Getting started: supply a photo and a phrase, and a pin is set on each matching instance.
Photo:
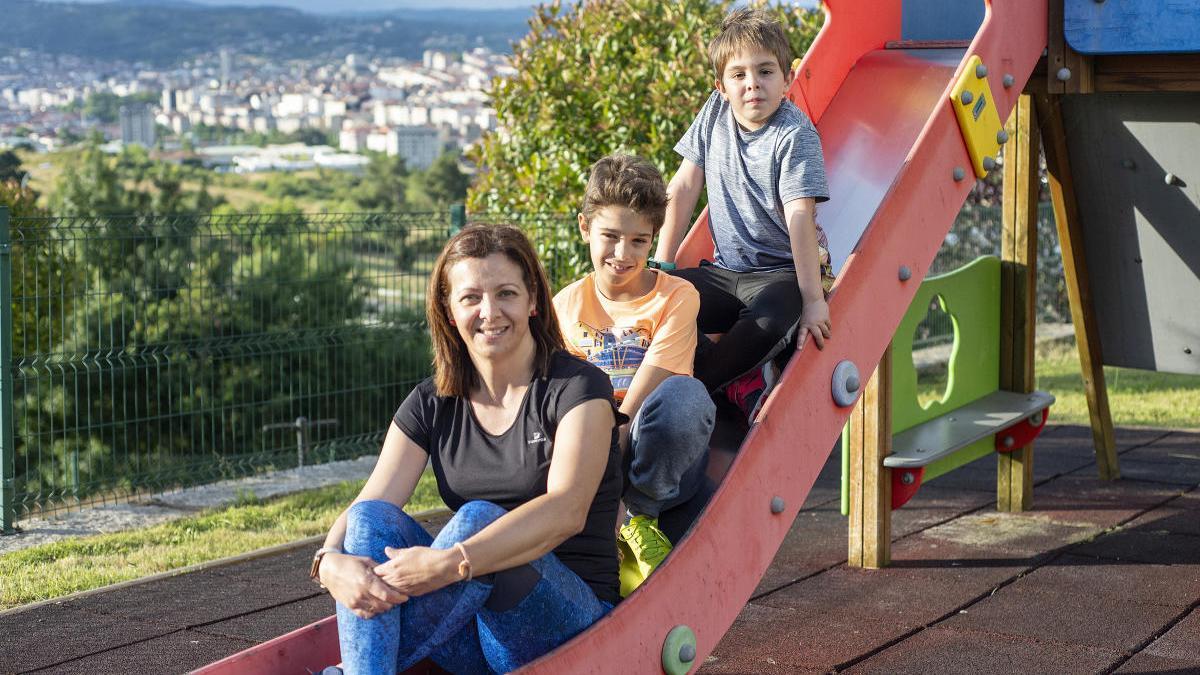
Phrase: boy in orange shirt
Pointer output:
(639, 326)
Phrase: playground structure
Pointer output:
(882, 82)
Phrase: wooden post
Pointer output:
(1018, 289)
(871, 483)
(1075, 271)
(1059, 55)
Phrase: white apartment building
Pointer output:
(419, 146)
(137, 125)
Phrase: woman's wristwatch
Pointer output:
(314, 572)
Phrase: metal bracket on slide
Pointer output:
(1022, 433)
(905, 483)
(981, 128)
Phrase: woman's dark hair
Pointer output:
(453, 372)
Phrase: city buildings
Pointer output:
(413, 109)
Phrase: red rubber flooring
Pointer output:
(1098, 577)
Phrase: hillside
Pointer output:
(167, 32)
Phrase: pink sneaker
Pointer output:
(749, 392)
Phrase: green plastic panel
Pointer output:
(971, 296)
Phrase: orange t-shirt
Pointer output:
(658, 328)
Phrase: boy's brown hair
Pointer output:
(746, 29)
(629, 181)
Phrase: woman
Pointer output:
(522, 439)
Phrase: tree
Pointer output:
(597, 78)
(592, 79)
(10, 167)
(383, 185)
(442, 184)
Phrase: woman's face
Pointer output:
(489, 305)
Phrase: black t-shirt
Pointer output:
(511, 468)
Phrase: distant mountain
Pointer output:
(166, 32)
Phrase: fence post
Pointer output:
(458, 218)
(8, 450)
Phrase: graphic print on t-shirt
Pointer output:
(617, 350)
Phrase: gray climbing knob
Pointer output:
(981, 71)
(989, 163)
(905, 273)
(966, 98)
(845, 384)
(959, 173)
(1063, 74)
(679, 651)
(1002, 137)
(1008, 81)
(687, 653)
(907, 478)
(777, 504)
(1035, 419)
(1008, 441)
(1129, 164)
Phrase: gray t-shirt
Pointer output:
(750, 176)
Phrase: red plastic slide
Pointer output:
(892, 145)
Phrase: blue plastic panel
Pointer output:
(1132, 26)
(941, 19)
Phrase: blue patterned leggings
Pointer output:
(453, 625)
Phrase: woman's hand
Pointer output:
(351, 580)
(418, 570)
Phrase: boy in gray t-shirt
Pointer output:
(760, 157)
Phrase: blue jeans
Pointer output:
(668, 446)
(452, 625)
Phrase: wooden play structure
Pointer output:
(1115, 98)
(908, 97)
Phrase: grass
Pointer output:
(69, 566)
(1136, 397)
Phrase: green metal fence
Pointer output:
(153, 352)
(144, 353)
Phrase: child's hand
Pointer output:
(815, 321)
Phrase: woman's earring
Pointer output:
(453, 322)
(534, 312)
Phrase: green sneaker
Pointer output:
(642, 547)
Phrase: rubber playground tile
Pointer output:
(816, 541)
(178, 652)
(1104, 504)
(1119, 581)
(271, 623)
(50, 634)
(1178, 516)
(1125, 437)
(783, 640)
(939, 494)
(288, 569)
(917, 596)
(940, 650)
(192, 599)
(1172, 446)
(1146, 664)
(1182, 642)
(1145, 545)
(1008, 538)
(1089, 619)
(1151, 469)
